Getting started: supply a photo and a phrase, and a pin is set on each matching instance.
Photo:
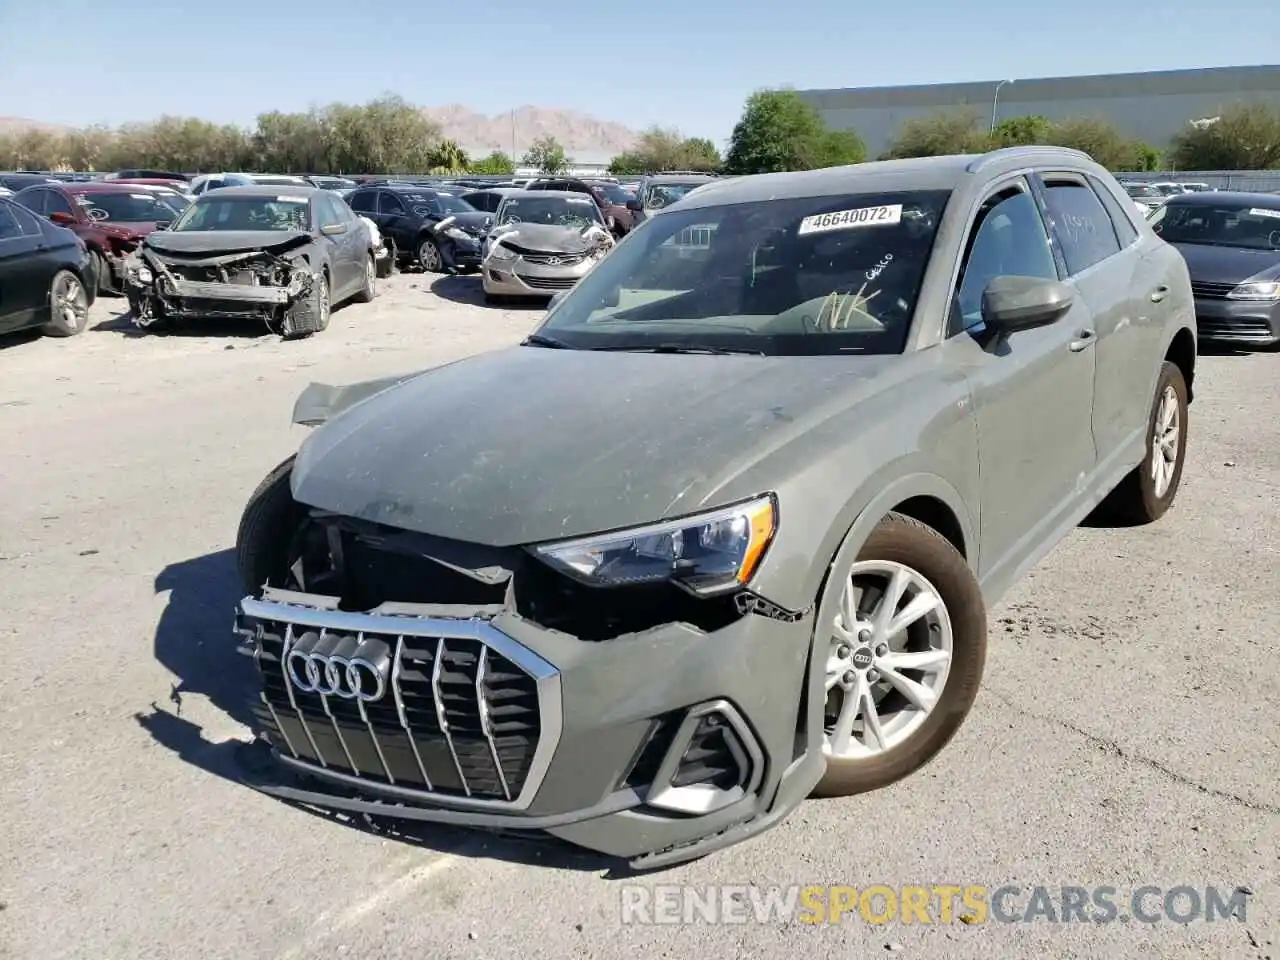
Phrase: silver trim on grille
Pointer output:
(296, 609)
(441, 717)
(293, 701)
(486, 722)
(404, 718)
(373, 734)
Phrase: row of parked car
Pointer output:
(285, 248)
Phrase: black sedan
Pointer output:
(1231, 242)
(43, 268)
(431, 227)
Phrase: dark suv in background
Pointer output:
(432, 228)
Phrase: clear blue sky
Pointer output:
(688, 64)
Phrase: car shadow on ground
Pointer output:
(1214, 348)
(122, 323)
(466, 289)
(194, 641)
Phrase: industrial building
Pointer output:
(1148, 106)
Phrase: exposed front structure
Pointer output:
(1149, 106)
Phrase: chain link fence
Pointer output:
(1255, 181)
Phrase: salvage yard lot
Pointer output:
(1127, 733)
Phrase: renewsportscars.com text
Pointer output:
(938, 903)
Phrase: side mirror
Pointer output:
(634, 205)
(163, 224)
(333, 229)
(62, 219)
(1010, 304)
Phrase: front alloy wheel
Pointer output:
(429, 256)
(890, 653)
(903, 631)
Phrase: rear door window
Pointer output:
(390, 203)
(1080, 222)
(1125, 230)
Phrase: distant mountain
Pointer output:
(578, 133)
(10, 125)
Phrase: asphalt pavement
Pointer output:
(1127, 733)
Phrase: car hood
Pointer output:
(474, 223)
(1229, 264)
(546, 238)
(531, 444)
(225, 241)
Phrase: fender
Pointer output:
(862, 512)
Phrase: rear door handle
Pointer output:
(1159, 293)
(1084, 340)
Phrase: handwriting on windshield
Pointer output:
(879, 267)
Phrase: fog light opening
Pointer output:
(714, 760)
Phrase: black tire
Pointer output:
(68, 305)
(101, 276)
(901, 539)
(387, 266)
(1135, 501)
(428, 255)
(267, 526)
(368, 289)
(310, 314)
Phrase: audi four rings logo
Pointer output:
(339, 665)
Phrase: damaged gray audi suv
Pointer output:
(724, 531)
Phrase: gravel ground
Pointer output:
(1127, 733)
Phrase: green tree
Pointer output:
(447, 157)
(780, 131)
(495, 164)
(1243, 137)
(546, 155)
(659, 149)
(1024, 131)
(941, 134)
(1100, 140)
(1147, 158)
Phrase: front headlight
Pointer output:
(499, 252)
(460, 235)
(707, 553)
(1265, 290)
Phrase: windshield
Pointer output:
(217, 211)
(436, 203)
(176, 201)
(661, 195)
(1142, 190)
(614, 193)
(1220, 225)
(140, 207)
(278, 182)
(563, 210)
(813, 275)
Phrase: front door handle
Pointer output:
(1159, 293)
(1083, 341)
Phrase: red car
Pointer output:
(180, 185)
(110, 218)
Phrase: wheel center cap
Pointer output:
(862, 658)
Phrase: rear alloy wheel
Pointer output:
(1146, 494)
(68, 306)
(905, 648)
(429, 257)
(369, 289)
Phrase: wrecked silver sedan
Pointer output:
(254, 253)
(542, 242)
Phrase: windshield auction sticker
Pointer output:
(1264, 212)
(848, 219)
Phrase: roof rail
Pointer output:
(1004, 153)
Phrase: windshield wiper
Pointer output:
(542, 340)
(681, 348)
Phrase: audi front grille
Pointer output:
(411, 705)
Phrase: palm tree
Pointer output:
(449, 156)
